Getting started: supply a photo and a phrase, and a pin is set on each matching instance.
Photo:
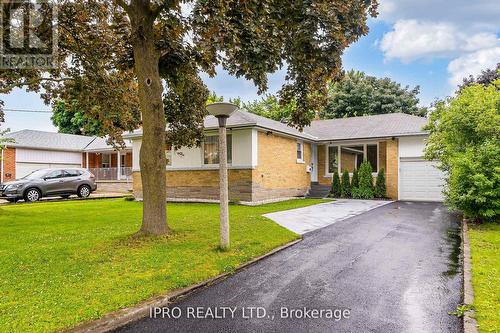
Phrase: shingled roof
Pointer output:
(48, 140)
(56, 141)
(377, 126)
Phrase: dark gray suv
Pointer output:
(49, 183)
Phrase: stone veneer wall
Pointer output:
(9, 163)
(278, 174)
(202, 184)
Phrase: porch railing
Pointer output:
(112, 173)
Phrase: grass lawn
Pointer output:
(485, 253)
(62, 263)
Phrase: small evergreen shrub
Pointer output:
(380, 188)
(365, 187)
(335, 185)
(345, 185)
(354, 180)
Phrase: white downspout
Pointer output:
(87, 160)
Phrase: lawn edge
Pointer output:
(125, 316)
(469, 322)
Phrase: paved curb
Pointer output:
(122, 317)
(470, 324)
(57, 199)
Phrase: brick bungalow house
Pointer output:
(269, 160)
(32, 150)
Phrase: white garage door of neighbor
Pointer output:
(22, 169)
(420, 180)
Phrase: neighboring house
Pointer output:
(32, 150)
(269, 160)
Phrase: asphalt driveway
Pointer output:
(394, 268)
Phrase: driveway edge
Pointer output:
(125, 316)
(470, 324)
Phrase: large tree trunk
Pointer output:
(152, 155)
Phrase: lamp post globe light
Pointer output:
(222, 111)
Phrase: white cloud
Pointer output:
(412, 39)
(472, 64)
(476, 15)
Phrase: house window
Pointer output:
(351, 157)
(211, 149)
(300, 152)
(333, 159)
(106, 161)
(168, 156)
(372, 156)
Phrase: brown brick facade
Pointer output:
(9, 164)
(95, 160)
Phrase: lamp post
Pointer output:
(222, 111)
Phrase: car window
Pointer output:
(55, 174)
(73, 173)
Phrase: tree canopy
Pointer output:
(122, 58)
(70, 119)
(358, 94)
(486, 77)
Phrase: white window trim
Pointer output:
(300, 160)
(339, 145)
(202, 150)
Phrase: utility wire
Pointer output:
(24, 110)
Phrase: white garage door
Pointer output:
(420, 180)
(22, 169)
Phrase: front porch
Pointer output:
(111, 168)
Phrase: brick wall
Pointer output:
(9, 163)
(278, 174)
(391, 172)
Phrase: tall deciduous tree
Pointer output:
(486, 77)
(119, 57)
(358, 94)
(70, 119)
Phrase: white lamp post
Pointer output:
(222, 111)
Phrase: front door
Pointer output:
(314, 163)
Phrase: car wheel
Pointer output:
(84, 191)
(32, 195)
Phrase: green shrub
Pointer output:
(474, 182)
(464, 133)
(355, 179)
(380, 188)
(335, 185)
(345, 185)
(365, 186)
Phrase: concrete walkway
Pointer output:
(303, 220)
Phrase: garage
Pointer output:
(29, 160)
(420, 180)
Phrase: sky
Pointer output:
(430, 43)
